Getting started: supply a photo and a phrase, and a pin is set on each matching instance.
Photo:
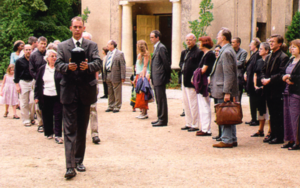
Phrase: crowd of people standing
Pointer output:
(41, 78)
(269, 77)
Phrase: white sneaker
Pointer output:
(143, 116)
(138, 116)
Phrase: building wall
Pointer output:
(99, 22)
(233, 14)
(104, 22)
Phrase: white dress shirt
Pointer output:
(75, 41)
(155, 45)
(49, 82)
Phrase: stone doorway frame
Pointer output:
(127, 29)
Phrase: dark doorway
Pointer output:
(261, 31)
(165, 27)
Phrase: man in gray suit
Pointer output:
(160, 76)
(77, 93)
(224, 84)
(114, 75)
(241, 56)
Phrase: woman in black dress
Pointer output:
(264, 50)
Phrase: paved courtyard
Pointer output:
(134, 154)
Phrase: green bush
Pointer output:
(20, 19)
(293, 31)
(174, 80)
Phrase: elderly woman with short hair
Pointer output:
(263, 115)
(46, 94)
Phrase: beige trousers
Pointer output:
(190, 103)
(26, 101)
(114, 94)
(94, 120)
(38, 111)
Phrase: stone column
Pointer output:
(176, 33)
(127, 45)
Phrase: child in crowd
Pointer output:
(133, 94)
(9, 92)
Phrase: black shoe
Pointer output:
(104, 97)
(257, 134)
(294, 147)
(192, 129)
(219, 139)
(115, 111)
(182, 114)
(267, 139)
(96, 140)
(154, 122)
(80, 167)
(185, 128)
(159, 124)
(108, 110)
(254, 123)
(289, 144)
(276, 141)
(70, 173)
(216, 137)
(248, 122)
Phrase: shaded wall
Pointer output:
(98, 23)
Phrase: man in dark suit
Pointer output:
(78, 92)
(114, 74)
(274, 87)
(160, 76)
(241, 56)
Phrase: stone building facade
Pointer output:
(132, 20)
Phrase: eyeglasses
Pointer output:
(77, 27)
(53, 56)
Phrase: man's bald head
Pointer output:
(190, 40)
(191, 35)
(27, 51)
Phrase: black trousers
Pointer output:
(105, 89)
(275, 106)
(253, 100)
(50, 107)
(240, 93)
(75, 119)
(162, 105)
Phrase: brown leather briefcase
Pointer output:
(229, 113)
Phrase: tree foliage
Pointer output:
(200, 25)
(20, 19)
(293, 31)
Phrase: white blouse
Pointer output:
(49, 82)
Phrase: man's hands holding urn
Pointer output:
(83, 65)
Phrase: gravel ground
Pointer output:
(134, 154)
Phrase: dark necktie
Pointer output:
(78, 44)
